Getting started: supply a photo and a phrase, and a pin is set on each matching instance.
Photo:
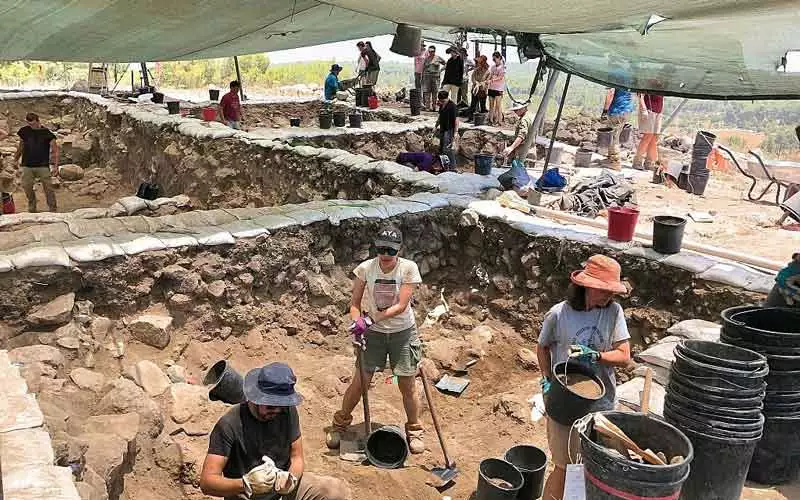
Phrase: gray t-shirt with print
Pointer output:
(599, 328)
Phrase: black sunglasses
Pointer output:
(387, 251)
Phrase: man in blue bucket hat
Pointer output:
(256, 450)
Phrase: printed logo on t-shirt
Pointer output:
(384, 293)
(590, 336)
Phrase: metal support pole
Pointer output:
(145, 79)
(555, 125)
(503, 46)
(552, 78)
(239, 77)
(477, 49)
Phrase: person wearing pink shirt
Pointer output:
(419, 66)
(497, 84)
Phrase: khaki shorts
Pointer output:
(558, 438)
(403, 348)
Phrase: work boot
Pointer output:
(339, 426)
(414, 434)
(649, 165)
(637, 163)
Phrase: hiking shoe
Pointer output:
(414, 434)
(338, 427)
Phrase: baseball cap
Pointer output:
(389, 237)
(336, 67)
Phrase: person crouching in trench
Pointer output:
(255, 450)
(385, 327)
(589, 326)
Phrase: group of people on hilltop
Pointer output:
(468, 82)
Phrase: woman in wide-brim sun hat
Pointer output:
(589, 327)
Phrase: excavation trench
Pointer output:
(138, 297)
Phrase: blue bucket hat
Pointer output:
(271, 385)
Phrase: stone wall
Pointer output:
(513, 270)
(26, 451)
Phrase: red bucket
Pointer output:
(209, 114)
(372, 102)
(622, 223)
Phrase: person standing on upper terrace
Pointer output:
(230, 108)
(40, 155)
(618, 107)
(332, 83)
(447, 127)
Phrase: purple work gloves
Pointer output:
(358, 329)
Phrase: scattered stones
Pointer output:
(44, 354)
(125, 396)
(514, 406)
(184, 281)
(180, 302)
(110, 457)
(150, 378)
(71, 329)
(55, 312)
(216, 289)
(481, 336)
(87, 379)
(176, 374)
(151, 329)
(100, 327)
(70, 346)
(527, 358)
(70, 172)
(187, 401)
(504, 284)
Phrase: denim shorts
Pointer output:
(404, 349)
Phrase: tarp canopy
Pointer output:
(719, 49)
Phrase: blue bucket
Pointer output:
(483, 164)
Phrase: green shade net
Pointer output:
(718, 49)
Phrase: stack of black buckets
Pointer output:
(774, 332)
(715, 396)
(699, 174)
(415, 99)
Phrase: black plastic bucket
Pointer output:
(726, 377)
(339, 119)
(565, 406)
(532, 463)
(783, 380)
(776, 459)
(691, 405)
(493, 470)
(715, 386)
(387, 447)
(711, 399)
(294, 122)
(325, 120)
(720, 466)
(779, 358)
(355, 120)
(158, 98)
(606, 472)
(228, 385)
(174, 107)
(718, 421)
(668, 233)
(604, 137)
(718, 354)
(483, 164)
(479, 119)
(782, 397)
(768, 326)
(698, 183)
(213, 94)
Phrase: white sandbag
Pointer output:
(305, 217)
(696, 329)
(92, 251)
(630, 394)
(212, 236)
(660, 354)
(274, 222)
(5, 264)
(244, 229)
(176, 240)
(132, 204)
(33, 256)
(660, 374)
(140, 244)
